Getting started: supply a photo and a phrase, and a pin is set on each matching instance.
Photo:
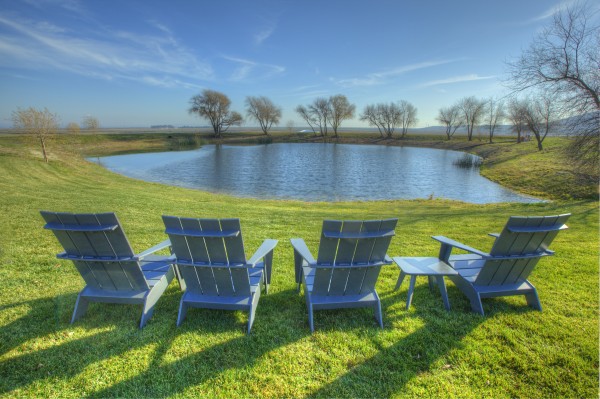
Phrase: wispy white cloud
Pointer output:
(456, 79)
(73, 6)
(263, 35)
(381, 77)
(156, 59)
(247, 69)
(551, 11)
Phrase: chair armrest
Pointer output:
(262, 251)
(165, 244)
(301, 249)
(448, 244)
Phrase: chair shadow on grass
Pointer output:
(382, 375)
(386, 373)
(48, 319)
(67, 360)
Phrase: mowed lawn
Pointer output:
(513, 351)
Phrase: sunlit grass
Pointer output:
(425, 351)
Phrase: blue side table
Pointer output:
(433, 268)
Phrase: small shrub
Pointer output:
(467, 161)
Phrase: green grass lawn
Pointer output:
(513, 351)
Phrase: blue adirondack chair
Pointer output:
(350, 257)
(113, 273)
(505, 269)
(211, 262)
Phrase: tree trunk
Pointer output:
(43, 143)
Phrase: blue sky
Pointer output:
(137, 63)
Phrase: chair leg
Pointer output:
(430, 281)
(81, 306)
(180, 280)
(147, 311)
(268, 270)
(476, 304)
(533, 300)
(310, 319)
(251, 318)
(378, 314)
(252, 310)
(183, 307)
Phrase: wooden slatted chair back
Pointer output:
(524, 238)
(210, 255)
(98, 247)
(350, 256)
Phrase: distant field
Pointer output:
(511, 352)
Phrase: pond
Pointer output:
(316, 172)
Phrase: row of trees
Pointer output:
(535, 114)
(320, 115)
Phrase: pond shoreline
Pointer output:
(317, 172)
(546, 174)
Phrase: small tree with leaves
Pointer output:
(41, 125)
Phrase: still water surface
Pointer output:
(316, 172)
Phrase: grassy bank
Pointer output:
(425, 351)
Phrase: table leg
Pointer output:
(411, 288)
(400, 280)
(430, 281)
(442, 285)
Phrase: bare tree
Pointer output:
(452, 119)
(41, 125)
(339, 109)
(408, 116)
(494, 115)
(91, 123)
(316, 114)
(290, 125)
(385, 116)
(308, 117)
(263, 111)
(472, 109)
(541, 116)
(564, 59)
(214, 106)
(321, 112)
(371, 114)
(73, 127)
(516, 115)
